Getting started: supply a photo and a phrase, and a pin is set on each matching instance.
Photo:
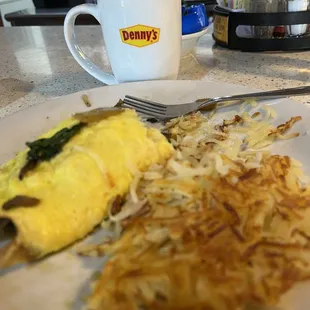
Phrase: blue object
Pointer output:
(194, 18)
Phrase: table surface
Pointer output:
(35, 65)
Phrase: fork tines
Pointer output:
(145, 106)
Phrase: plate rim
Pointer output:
(106, 87)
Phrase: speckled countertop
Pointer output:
(35, 65)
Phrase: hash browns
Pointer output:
(219, 227)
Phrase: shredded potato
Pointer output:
(220, 226)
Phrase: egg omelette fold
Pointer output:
(64, 198)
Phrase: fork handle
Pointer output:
(296, 91)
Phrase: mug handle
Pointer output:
(75, 49)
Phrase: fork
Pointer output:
(163, 111)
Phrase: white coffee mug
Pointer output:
(142, 38)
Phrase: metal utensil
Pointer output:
(162, 111)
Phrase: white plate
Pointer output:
(189, 41)
(62, 280)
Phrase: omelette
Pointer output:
(56, 194)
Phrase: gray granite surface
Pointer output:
(35, 65)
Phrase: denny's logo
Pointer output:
(140, 35)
